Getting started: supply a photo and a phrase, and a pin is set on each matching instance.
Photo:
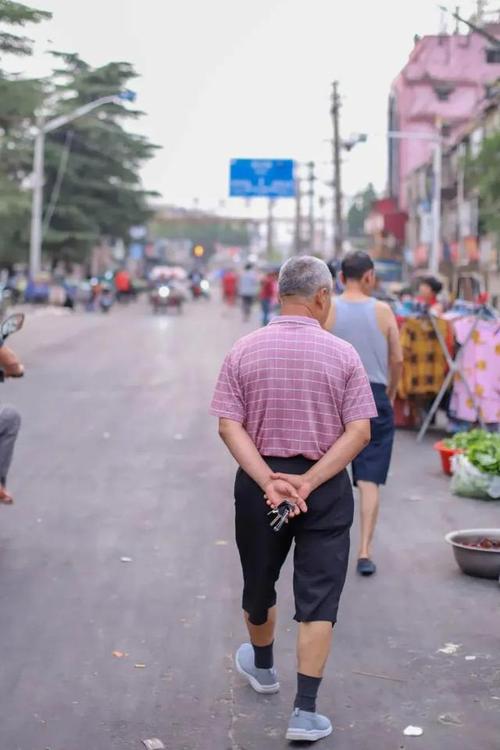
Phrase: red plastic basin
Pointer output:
(446, 454)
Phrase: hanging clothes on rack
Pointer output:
(424, 363)
(480, 368)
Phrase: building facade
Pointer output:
(465, 244)
(441, 88)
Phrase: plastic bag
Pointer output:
(468, 481)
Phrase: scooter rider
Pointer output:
(10, 420)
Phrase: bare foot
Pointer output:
(5, 498)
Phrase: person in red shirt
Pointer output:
(229, 287)
(123, 284)
(268, 295)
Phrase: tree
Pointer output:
(359, 211)
(483, 174)
(92, 186)
(100, 192)
(14, 15)
(18, 100)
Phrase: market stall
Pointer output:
(451, 361)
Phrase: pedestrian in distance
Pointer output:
(294, 406)
(248, 289)
(229, 287)
(268, 295)
(370, 326)
(429, 287)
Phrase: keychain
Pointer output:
(280, 515)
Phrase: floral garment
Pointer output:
(480, 366)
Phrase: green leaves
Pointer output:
(92, 166)
(17, 14)
(482, 448)
(484, 174)
(359, 210)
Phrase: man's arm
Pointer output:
(395, 356)
(340, 455)
(245, 453)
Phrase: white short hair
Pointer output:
(303, 276)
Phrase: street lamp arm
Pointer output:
(409, 135)
(59, 122)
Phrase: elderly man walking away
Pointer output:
(294, 405)
(370, 326)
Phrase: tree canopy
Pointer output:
(19, 98)
(484, 175)
(92, 185)
(14, 15)
(359, 211)
(93, 162)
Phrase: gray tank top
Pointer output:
(356, 322)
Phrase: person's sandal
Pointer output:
(366, 567)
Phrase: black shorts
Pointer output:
(321, 545)
(372, 464)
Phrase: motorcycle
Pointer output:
(105, 300)
(200, 289)
(166, 296)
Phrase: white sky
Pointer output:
(232, 78)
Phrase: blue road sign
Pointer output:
(257, 178)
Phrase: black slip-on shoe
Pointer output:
(366, 567)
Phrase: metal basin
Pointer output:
(483, 563)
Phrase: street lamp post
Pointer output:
(42, 128)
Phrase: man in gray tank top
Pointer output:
(370, 326)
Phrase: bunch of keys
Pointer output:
(280, 515)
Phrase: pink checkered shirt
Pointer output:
(293, 386)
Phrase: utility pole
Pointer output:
(311, 179)
(337, 181)
(297, 236)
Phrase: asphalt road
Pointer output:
(118, 458)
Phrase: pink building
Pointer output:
(444, 80)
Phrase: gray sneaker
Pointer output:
(262, 680)
(308, 727)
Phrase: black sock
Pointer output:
(307, 692)
(263, 656)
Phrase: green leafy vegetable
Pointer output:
(482, 448)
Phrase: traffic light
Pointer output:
(199, 251)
